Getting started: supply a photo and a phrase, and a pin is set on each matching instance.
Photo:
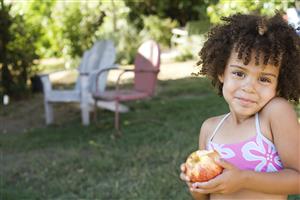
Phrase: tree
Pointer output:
(179, 10)
(78, 22)
(5, 38)
(17, 52)
(226, 8)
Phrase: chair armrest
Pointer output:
(45, 78)
(144, 70)
(102, 71)
(122, 73)
(99, 71)
(114, 66)
(155, 71)
(84, 74)
(47, 86)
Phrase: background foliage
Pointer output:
(17, 52)
(179, 10)
(36, 29)
(226, 8)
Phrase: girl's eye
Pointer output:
(265, 80)
(239, 74)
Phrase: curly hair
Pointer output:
(271, 38)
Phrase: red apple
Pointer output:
(201, 165)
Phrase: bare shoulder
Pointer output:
(207, 129)
(210, 123)
(285, 130)
(278, 107)
(281, 117)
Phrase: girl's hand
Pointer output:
(196, 195)
(230, 181)
(183, 175)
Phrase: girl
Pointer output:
(254, 62)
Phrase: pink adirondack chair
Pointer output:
(146, 69)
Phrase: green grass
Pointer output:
(69, 161)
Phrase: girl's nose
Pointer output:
(249, 86)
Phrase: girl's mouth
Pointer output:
(245, 101)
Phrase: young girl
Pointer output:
(254, 62)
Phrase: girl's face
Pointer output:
(248, 88)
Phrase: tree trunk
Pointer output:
(6, 78)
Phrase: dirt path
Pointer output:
(168, 70)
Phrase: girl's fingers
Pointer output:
(213, 183)
(182, 167)
(225, 164)
(205, 191)
(182, 174)
(202, 191)
(184, 177)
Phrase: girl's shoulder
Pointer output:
(278, 111)
(212, 121)
(277, 107)
(208, 126)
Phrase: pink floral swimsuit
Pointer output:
(257, 153)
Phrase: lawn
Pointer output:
(69, 161)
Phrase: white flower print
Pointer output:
(264, 152)
(225, 153)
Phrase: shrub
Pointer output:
(158, 29)
(17, 52)
(79, 23)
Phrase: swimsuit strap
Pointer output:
(218, 126)
(257, 125)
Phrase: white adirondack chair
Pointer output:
(100, 56)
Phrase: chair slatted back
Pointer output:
(148, 58)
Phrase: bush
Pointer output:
(158, 29)
(127, 42)
(198, 27)
(225, 8)
(77, 22)
(17, 52)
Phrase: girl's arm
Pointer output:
(286, 135)
(232, 180)
(205, 129)
(283, 182)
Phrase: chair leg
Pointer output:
(85, 114)
(48, 112)
(95, 111)
(117, 118)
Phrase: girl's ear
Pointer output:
(221, 78)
